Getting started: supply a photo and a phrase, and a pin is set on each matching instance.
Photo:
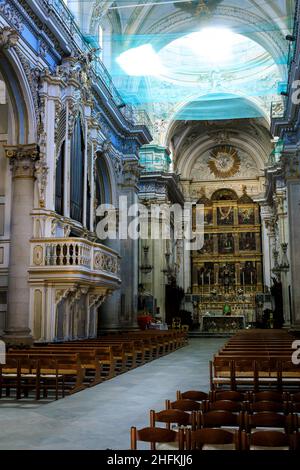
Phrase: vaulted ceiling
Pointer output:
(162, 23)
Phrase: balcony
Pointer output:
(74, 260)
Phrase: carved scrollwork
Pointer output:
(105, 262)
(41, 172)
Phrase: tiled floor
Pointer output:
(101, 417)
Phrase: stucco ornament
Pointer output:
(224, 161)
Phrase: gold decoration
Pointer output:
(224, 161)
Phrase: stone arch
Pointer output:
(107, 178)
(12, 69)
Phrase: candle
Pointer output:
(243, 279)
(251, 278)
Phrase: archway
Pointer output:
(18, 132)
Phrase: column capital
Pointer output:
(22, 159)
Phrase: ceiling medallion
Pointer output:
(224, 161)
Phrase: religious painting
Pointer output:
(249, 273)
(208, 246)
(247, 242)
(225, 216)
(226, 243)
(246, 216)
(208, 217)
(206, 275)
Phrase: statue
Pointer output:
(226, 275)
(227, 310)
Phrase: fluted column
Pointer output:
(22, 160)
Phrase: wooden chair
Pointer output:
(212, 439)
(231, 395)
(155, 436)
(220, 418)
(192, 395)
(268, 419)
(267, 440)
(183, 405)
(269, 396)
(171, 416)
(10, 377)
(265, 405)
(221, 373)
(29, 376)
(244, 373)
(289, 374)
(224, 405)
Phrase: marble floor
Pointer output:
(101, 417)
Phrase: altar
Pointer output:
(222, 324)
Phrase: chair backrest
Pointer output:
(219, 418)
(266, 419)
(266, 405)
(183, 405)
(269, 396)
(156, 436)
(194, 395)
(231, 395)
(210, 439)
(265, 440)
(224, 405)
(181, 418)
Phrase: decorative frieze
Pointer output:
(106, 262)
(11, 15)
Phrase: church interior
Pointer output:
(149, 224)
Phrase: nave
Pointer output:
(100, 417)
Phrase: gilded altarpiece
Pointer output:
(227, 271)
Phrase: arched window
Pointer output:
(102, 184)
(77, 172)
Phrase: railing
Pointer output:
(74, 252)
(68, 253)
(137, 116)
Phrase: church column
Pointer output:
(280, 200)
(267, 243)
(293, 197)
(22, 160)
(129, 248)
